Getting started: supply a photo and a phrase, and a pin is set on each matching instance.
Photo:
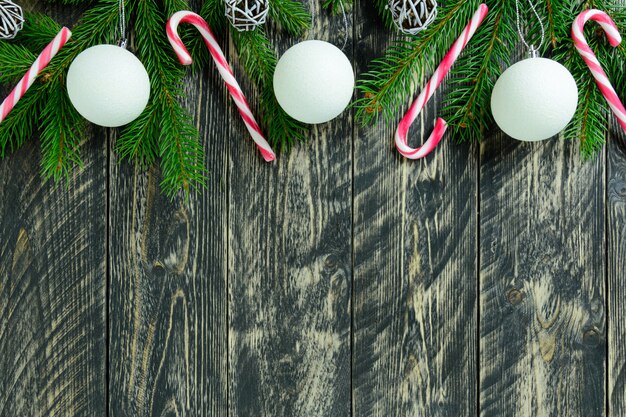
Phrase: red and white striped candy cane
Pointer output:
(29, 78)
(592, 62)
(420, 102)
(224, 69)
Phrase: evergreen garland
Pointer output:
(164, 132)
(388, 87)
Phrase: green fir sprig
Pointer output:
(165, 129)
(388, 87)
(590, 125)
(468, 109)
(381, 6)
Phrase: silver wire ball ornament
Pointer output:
(413, 16)
(246, 14)
(11, 19)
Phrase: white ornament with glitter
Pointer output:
(108, 85)
(535, 98)
(313, 81)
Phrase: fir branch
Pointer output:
(383, 11)
(473, 77)
(182, 155)
(259, 60)
(39, 29)
(214, 13)
(590, 122)
(165, 128)
(63, 130)
(256, 55)
(290, 15)
(20, 59)
(388, 84)
(18, 126)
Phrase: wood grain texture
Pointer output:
(52, 287)
(53, 281)
(290, 266)
(168, 280)
(542, 314)
(616, 257)
(415, 266)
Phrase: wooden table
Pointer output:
(342, 280)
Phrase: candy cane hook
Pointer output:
(28, 79)
(592, 62)
(434, 82)
(224, 69)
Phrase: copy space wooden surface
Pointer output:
(341, 280)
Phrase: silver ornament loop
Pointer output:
(245, 15)
(11, 19)
(413, 16)
(122, 15)
(532, 50)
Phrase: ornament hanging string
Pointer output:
(224, 69)
(420, 102)
(531, 47)
(122, 16)
(609, 27)
(346, 25)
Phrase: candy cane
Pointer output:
(29, 78)
(420, 102)
(223, 68)
(592, 62)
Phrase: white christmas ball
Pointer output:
(108, 85)
(313, 81)
(534, 99)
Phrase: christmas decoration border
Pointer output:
(387, 88)
(164, 132)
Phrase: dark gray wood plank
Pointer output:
(542, 252)
(53, 281)
(290, 266)
(616, 242)
(168, 343)
(415, 266)
(52, 287)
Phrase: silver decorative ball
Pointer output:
(246, 14)
(11, 19)
(413, 16)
